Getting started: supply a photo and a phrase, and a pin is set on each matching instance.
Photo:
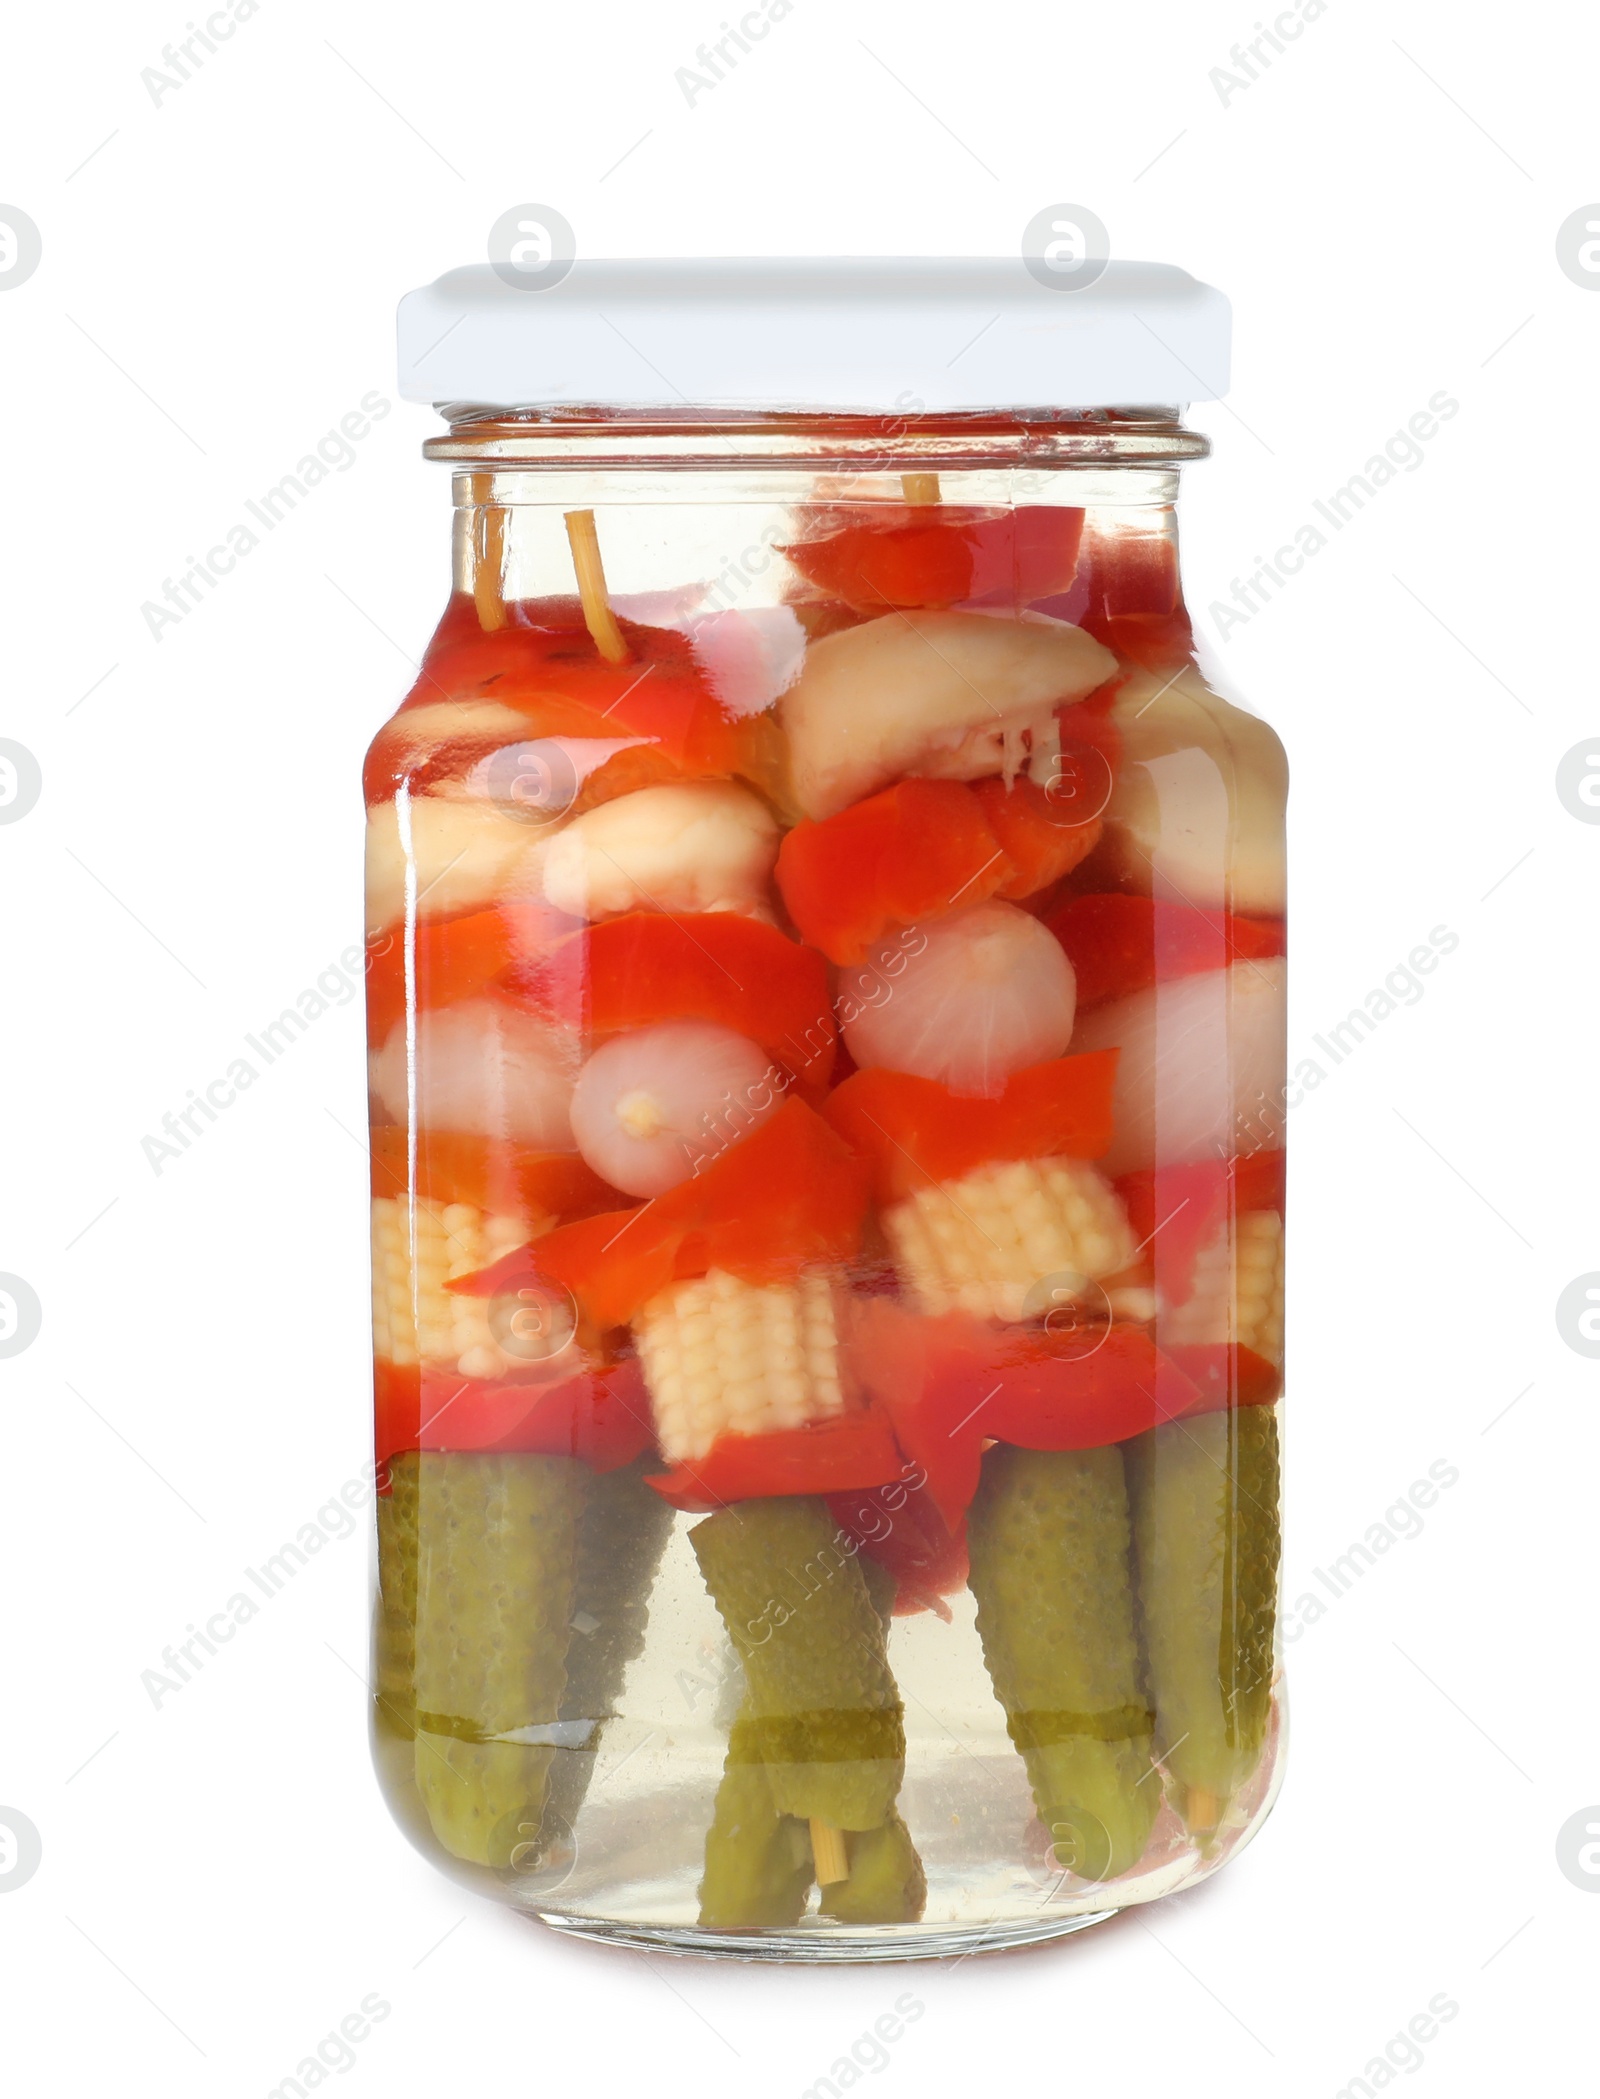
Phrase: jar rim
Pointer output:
(709, 438)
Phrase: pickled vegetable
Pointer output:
(1205, 1504)
(976, 998)
(886, 1885)
(758, 1860)
(622, 1534)
(822, 1713)
(1049, 1537)
(396, 1642)
(496, 1573)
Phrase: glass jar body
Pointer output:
(827, 1043)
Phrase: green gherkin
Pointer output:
(497, 1544)
(395, 1643)
(882, 1588)
(1049, 1538)
(886, 1885)
(622, 1534)
(1205, 1501)
(758, 1861)
(821, 1711)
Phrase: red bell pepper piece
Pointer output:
(1121, 944)
(1226, 1375)
(952, 1384)
(510, 1179)
(543, 663)
(1133, 598)
(852, 1450)
(453, 958)
(915, 1131)
(648, 966)
(791, 1195)
(941, 554)
(1174, 1210)
(899, 1526)
(600, 1416)
(1033, 828)
(914, 851)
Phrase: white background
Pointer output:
(220, 1884)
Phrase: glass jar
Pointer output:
(826, 1018)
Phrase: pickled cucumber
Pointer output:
(395, 1643)
(622, 1534)
(1049, 1537)
(886, 1885)
(758, 1861)
(882, 1587)
(821, 1710)
(1205, 1505)
(496, 1571)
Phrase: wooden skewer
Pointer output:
(828, 1854)
(1203, 1811)
(920, 488)
(598, 617)
(488, 589)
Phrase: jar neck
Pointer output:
(745, 493)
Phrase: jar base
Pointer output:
(831, 1944)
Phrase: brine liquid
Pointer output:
(826, 1000)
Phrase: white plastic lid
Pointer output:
(901, 335)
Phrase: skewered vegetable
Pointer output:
(651, 1108)
(484, 1069)
(933, 553)
(496, 1553)
(1237, 1295)
(1205, 1503)
(790, 1197)
(725, 1357)
(758, 1867)
(416, 1250)
(1200, 1066)
(1197, 812)
(1049, 1536)
(395, 1642)
(916, 1133)
(985, 1243)
(701, 846)
(622, 1534)
(971, 1000)
(822, 1712)
(445, 856)
(941, 695)
(647, 966)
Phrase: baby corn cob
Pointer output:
(726, 1357)
(981, 1244)
(1238, 1289)
(414, 1317)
